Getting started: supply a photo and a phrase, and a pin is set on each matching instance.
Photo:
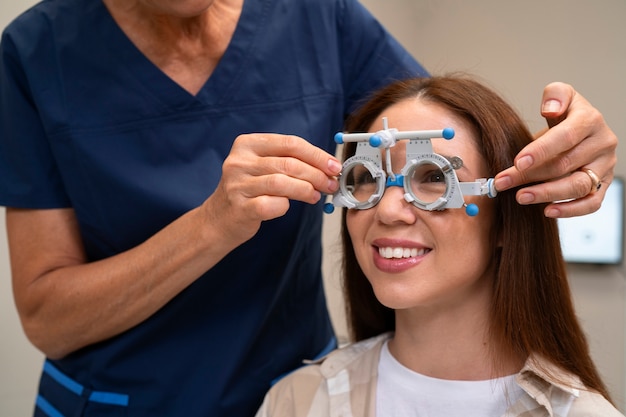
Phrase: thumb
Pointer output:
(556, 101)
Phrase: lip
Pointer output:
(396, 265)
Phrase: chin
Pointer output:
(395, 300)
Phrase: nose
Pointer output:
(393, 208)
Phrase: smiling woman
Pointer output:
(453, 315)
(442, 236)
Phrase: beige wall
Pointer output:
(20, 363)
(518, 47)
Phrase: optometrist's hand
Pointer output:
(259, 177)
(578, 138)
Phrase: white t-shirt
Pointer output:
(402, 392)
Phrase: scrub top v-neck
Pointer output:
(232, 65)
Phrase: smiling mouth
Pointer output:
(400, 253)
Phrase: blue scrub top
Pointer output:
(87, 122)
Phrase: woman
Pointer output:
(454, 315)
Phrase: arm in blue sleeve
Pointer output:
(28, 174)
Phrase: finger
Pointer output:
(240, 218)
(267, 154)
(255, 166)
(267, 207)
(562, 141)
(248, 201)
(572, 208)
(571, 118)
(560, 102)
(603, 158)
(299, 170)
(556, 99)
(579, 140)
(280, 185)
(293, 146)
(575, 186)
(240, 192)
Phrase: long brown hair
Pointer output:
(532, 309)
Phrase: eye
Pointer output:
(360, 183)
(428, 182)
(359, 175)
(433, 176)
(363, 177)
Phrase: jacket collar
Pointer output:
(352, 372)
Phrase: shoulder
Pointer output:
(589, 404)
(55, 37)
(351, 358)
(52, 18)
(307, 390)
(557, 389)
(347, 15)
(43, 11)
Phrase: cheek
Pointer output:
(351, 226)
(350, 223)
(464, 233)
(478, 237)
(357, 222)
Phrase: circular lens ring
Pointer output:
(377, 173)
(449, 176)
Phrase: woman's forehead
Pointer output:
(415, 114)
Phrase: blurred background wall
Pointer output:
(20, 362)
(517, 48)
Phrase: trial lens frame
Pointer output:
(419, 152)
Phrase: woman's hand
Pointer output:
(259, 177)
(578, 138)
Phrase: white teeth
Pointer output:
(399, 253)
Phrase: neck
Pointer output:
(453, 344)
(185, 43)
(209, 19)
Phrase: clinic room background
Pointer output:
(517, 48)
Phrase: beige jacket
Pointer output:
(344, 384)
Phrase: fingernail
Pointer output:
(524, 162)
(334, 166)
(503, 183)
(551, 106)
(553, 213)
(525, 198)
(333, 185)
